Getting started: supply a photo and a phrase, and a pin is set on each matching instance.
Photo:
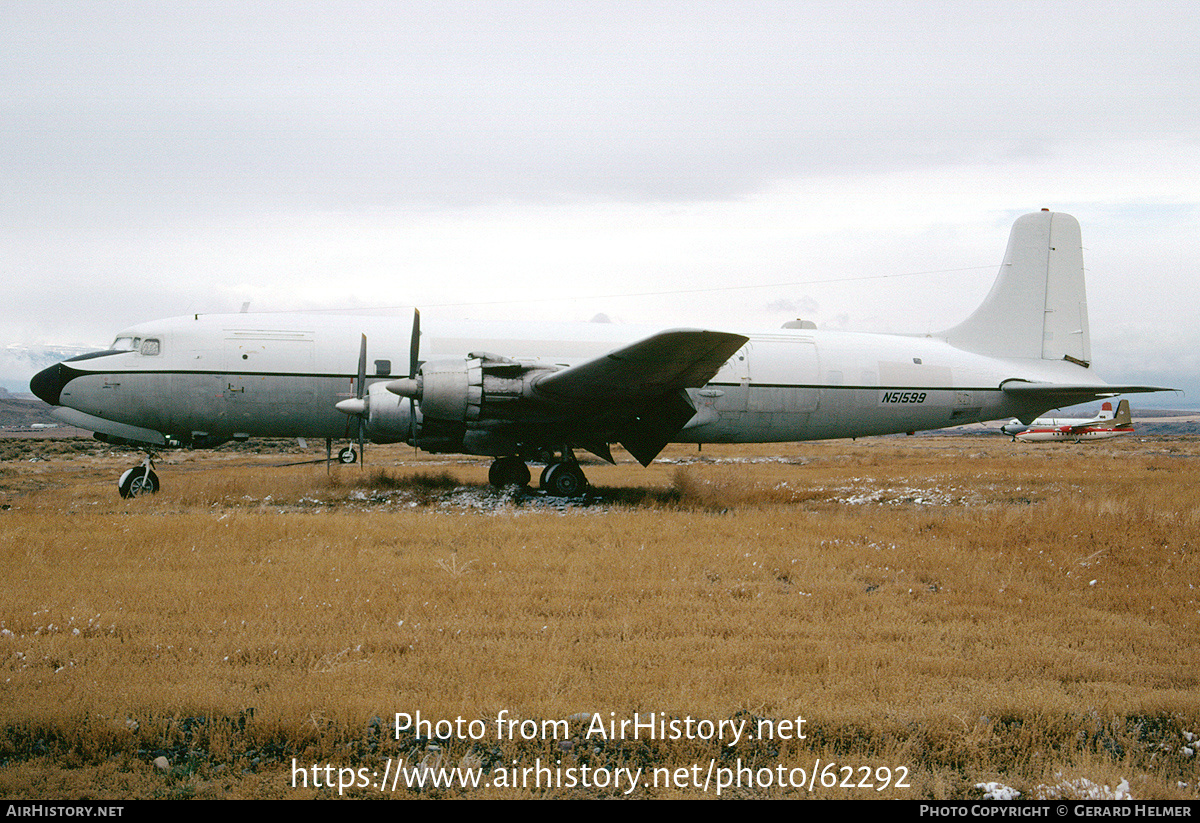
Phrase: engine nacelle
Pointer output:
(389, 417)
(468, 389)
(451, 389)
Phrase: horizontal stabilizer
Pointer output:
(1065, 394)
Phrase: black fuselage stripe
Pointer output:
(754, 385)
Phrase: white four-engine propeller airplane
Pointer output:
(1104, 425)
(536, 393)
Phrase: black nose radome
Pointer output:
(48, 383)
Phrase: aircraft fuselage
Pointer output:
(1051, 430)
(280, 375)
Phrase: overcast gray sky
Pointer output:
(858, 164)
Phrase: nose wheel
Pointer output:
(139, 480)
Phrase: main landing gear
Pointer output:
(561, 478)
(508, 471)
(139, 480)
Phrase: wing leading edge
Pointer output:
(664, 362)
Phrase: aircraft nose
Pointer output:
(48, 383)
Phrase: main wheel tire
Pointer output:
(137, 481)
(508, 471)
(564, 480)
(347, 456)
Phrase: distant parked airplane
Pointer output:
(1102, 426)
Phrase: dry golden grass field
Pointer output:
(943, 613)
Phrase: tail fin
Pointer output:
(1037, 307)
(1122, 418)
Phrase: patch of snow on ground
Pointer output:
(901, 495)
(1081, 789)
(479, 499)
(997, 791)
(719, 461)
(514, 498)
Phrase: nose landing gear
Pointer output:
(139, 480)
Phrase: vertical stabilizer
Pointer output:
(1123, 417)
(1037, 307)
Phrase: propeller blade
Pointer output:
(414, 348)
(414, 361)
(362, 368)
(359, 390)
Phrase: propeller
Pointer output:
(357, 406)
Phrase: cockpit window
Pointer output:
(150, 346)
(127, 343)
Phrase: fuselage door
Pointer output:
(268, 380)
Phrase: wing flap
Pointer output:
(639, 388)
(653, 425)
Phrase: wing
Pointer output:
(665, 362)
(642, 384)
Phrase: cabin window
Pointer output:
(383, 367)
(150, 346)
